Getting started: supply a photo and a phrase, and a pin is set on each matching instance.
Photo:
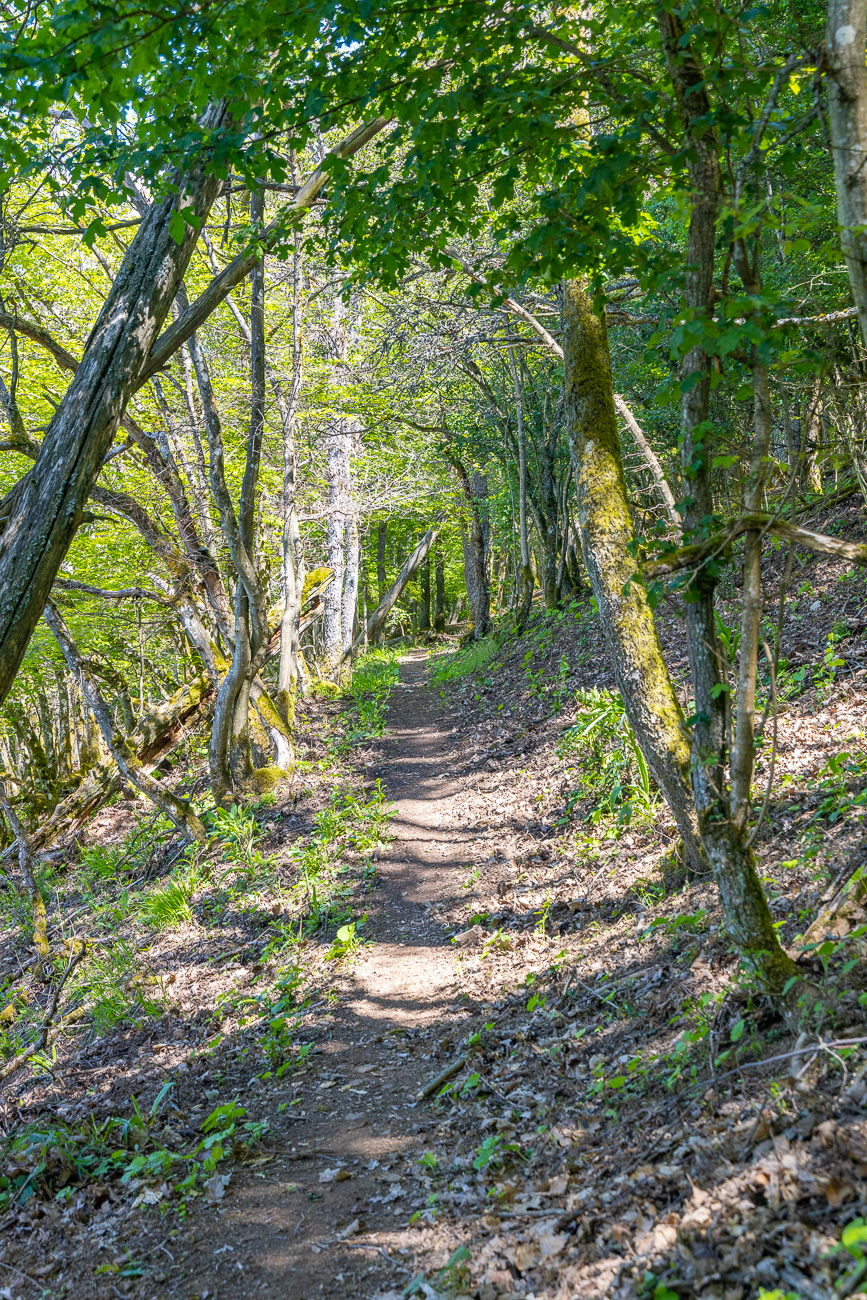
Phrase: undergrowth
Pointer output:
(374, 676)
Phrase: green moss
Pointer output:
(263, 779)
(316, 579)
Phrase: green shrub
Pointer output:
(612, 769)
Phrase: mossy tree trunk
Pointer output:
(476, 581)
(606, 527)
(424, 601)
(722, 813)
(440, 581)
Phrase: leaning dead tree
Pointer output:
(395, 591)
(41, 514)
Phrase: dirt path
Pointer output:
(279, 1230)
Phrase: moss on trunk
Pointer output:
(607, 532)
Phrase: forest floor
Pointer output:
(622, 1115)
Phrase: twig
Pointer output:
(13, 1269)
(787, 1056)
(367, 1245)
(76, 956)
(566, 987)
(443, 1077)
(593, 992)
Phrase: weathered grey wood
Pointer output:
(47, 508)
(241, 266)
(380, 614)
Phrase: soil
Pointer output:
(558, 966)
(360, 1127)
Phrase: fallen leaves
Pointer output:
(334, 1175)
(215, 1187)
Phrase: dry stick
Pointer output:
(787, 1056)
(13, 1269)
(593, 993)
(443, 1077)
(366, 1245)
(76, 956)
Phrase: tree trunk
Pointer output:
(475, 551)
(847, 112)
(349, 601)
(525, 595)
(440, 579)
(745, 910)
(381, 541)
(177, 810)
(288, 678)
(606, 528)
(424, 601)
(337, 452)
(46, 508)
(411, 565)
(229, 750)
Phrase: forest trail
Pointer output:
(284, 1230)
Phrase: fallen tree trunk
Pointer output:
(395, 591)
(179, 811)
(155, 736)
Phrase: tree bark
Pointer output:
(48, 505)
(288, 677)
(440, 579)
(605, 522)
(337, 454)
(349, 595)
(177, 810)
(229, 754)
(847, 115)
(525, 592)
(745, 910)
(424, 601)
(381, 542)
(475, 551)
(410, 566)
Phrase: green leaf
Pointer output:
(222, 1117)
(853, 1235)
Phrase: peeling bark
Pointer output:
(47, 506)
